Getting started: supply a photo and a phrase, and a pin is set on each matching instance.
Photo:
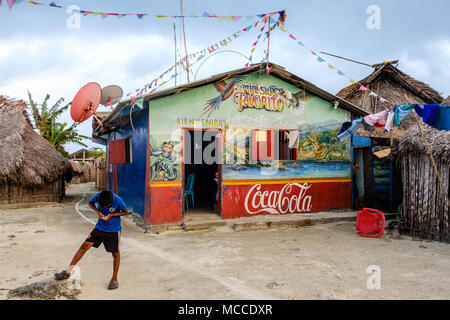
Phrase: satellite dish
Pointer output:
(86, 102)
(111, 95)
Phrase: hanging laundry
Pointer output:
(345, 126)
(443, 120)
(377, 120)
(348, 133)
(401, 112)
(294, 139)
(389, 121)
(367, 126)
(429, 113)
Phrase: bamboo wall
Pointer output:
(100, 175)
(14, 194)
(425, 210)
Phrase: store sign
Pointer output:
(259, 97)
(292, 198)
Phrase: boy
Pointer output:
(107, 231)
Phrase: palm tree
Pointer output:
(58, 134)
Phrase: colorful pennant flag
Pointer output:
(141, 15)
(362, 88)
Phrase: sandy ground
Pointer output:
(328, 261)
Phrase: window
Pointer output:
(263, 146)
(285, 153)
(271, 145)
(119, 151)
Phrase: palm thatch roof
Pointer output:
(393, 85)
(25, 157)
(411, 143)
(77, 169)
(446, 101)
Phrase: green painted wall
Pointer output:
(320, 154)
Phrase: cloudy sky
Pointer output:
(39, 53)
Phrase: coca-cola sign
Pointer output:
(292, 198)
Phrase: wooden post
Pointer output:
(175, 41)
(185, 47)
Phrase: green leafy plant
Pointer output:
(58, 134)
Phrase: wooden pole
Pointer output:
(185, 47)
(175, 41)
(268, 44)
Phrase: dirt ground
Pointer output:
(328, 261)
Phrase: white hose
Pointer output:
(84, 217)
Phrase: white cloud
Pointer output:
(430, 64)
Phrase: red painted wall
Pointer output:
(166, 203)
(247, 198)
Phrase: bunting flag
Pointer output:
(10, 3)
(250, 59)
(53, 4)
(199, 55)
(339, 72)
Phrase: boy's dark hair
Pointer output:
(105, 198)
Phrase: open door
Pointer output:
(202, 172)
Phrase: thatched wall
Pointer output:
(29, 165)
(15, 194)
(425, 209)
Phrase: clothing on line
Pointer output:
(367, 126)
(377, 119)
(389, 121)
(443, 120)
(429, 113)
(347, 134)
(401, 112)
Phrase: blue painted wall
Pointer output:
(131, 176)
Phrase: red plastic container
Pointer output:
(370, 223)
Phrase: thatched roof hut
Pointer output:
(31, 170)
(425, 208)
(393, 85)
(446, 101)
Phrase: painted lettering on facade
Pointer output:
(259, 97)
(292, 198)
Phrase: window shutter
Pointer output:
(263, 144)
(119, 151)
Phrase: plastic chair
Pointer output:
(189, 190)
(370, 223)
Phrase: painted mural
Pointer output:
(165, 160)
(236, 106)
(317, 176)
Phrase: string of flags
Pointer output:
(201, 54)
(195, 57)
(267, 21)
(320, 59)
(250, 59)
(205, 14)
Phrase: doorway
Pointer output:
(201, 159)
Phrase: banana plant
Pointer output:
(58, 134)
